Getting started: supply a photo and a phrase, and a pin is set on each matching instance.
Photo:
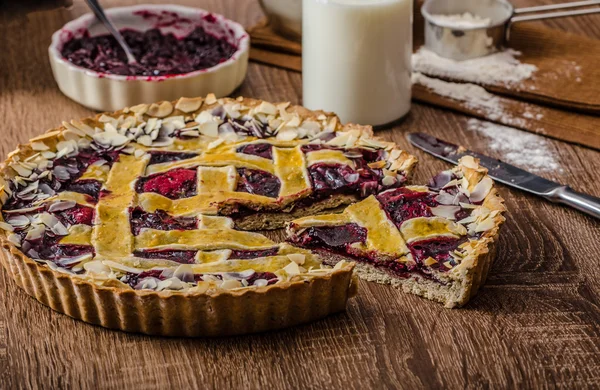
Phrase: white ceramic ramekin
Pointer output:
(108, 92)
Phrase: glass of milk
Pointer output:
(356, 58)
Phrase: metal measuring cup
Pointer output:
(463, 43)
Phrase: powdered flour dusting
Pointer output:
(466, 20)
(477, 99)
(498, 68)
(525, 150)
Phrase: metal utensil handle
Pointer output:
(560, 14)
(99, 12)
(582, 202)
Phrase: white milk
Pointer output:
(356, 58)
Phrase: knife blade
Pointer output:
(509, 174)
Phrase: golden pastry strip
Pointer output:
(112, 231)
(203, 239)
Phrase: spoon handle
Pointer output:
(99, 12)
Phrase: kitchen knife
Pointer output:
(510, 175)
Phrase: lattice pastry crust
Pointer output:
(437, 241)
(107, 216)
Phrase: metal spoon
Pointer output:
(99, 12)
(463, 43)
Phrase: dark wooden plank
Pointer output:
(534, 325)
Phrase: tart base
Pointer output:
(456, 293)
(277, 220)
(175, 314)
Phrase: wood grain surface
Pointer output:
(534, 325)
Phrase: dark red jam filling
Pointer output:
(159, 220)
(402, 204)
(174, 184)
(47, 247)
(77, 215)
(66, 172)
(178, 256)
(329, 179)
(258, 182)
(163, 157)
(334, 236)
(157, 54)
(337, 239)
(89, 187)
(436, 248)
(252, 254)
(359, 155)
(262, 150)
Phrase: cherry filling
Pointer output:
(436, 248)
(328, 179)
(89, 187)
(262, 150)
(163, 157)
(65, 174)
(77, 215)
(258, 182)
(174, 184)
(178, 256)
(48, 247)
(334, 236)
(402, 204)
(159, 220)
(157, 54)
(337, 239)
(252, 254)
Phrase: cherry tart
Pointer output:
(436, 241)
(134, 220)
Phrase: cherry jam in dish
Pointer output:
(157, 54)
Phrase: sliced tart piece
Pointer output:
(437, 241)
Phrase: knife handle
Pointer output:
(582, 202)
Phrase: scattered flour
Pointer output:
(525, 150)
(477, 99)
(466, 20)
(497, 68)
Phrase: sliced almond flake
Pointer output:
(20, 170)
(19, 221)
(49, 155)
(6, 226)
(481, 190)
(469, 162)
(28, 165)
(36, 232)
(485, 225)
(61, 205)
(144, 140)
(231, 109)
(162, 142)
(287, 135)
(448, 265)
(140, 109)
(261, 282)
(322, 117)
(48, 219)
(121, 267)
(297, 258)
(139, 153)
(15, 239)
(266, 108)
(388, 181)
(430, 261)
(210, 129)
(467, 205)
(230, 284)
(160, 110)
(151, 124)
(210, 99)
(85, 129)
(447, 212)
(39, 146)
(292, 268)
(377, 164)
(215, 143)
(188, 105)
(30, 188)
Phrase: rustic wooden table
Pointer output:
(535, 324)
